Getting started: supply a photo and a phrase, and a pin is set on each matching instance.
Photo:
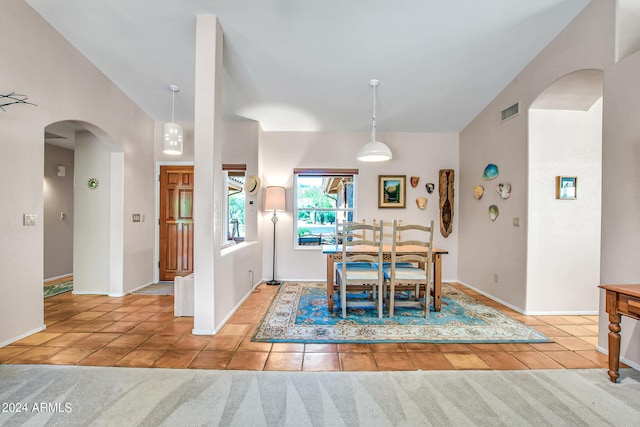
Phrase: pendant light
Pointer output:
(374, 151)
(172, 142)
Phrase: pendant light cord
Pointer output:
(173, 101)
(373, 129)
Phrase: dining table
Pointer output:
(334, 254)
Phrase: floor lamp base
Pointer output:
(274, 282)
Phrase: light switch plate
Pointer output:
(29, 219)
(136, 217)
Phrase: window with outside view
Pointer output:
(323, 201)
(235, 205)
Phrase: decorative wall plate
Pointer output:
(421, 202)
(504, 190)
(414, 181)
(93, 183)
(490, 172)
(493, 212)
(430, 187)
(478, 191)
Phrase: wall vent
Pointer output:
(510, 112)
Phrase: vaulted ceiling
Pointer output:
(306, 64)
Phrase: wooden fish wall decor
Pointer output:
(446, 201)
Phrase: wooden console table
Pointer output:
(621, 300)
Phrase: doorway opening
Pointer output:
(176, 226)
(565, 146)
(83, 212)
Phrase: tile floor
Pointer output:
(141, 331)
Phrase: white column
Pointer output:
(207, 170)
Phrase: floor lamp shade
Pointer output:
(274, 201)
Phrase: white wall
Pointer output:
(487, 248)
(58, 198)
(92, 211)
(65, 86)
(240, 267)
(588, 42)
(564, 235)
(627, 28)
(414, 154)
(621, 192)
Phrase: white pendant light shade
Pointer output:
(172, 139)
(172, 135)
(374, 151)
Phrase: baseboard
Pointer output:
(51, 279)
(75, 292)
(26, 334)
(624, 360)
(561, 313)
(506, 304)
(226, 319)
(531, 313)
(138, 288)
(204, 331)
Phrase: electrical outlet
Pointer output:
(495, 277)
(516, 222)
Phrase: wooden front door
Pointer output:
(176, 221)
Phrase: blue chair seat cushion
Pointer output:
(364, 271)
(405, 273)
(365, 265)
(398, 264)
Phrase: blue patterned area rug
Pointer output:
(299, 313)
(57, 287)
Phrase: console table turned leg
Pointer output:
(614, 347)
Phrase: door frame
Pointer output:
(156, 252)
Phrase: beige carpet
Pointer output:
(83, 396)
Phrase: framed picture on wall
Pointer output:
(566, 187)
(392, 191)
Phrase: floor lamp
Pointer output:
(274, 201)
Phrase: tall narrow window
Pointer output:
(234, 176)
(324, 199)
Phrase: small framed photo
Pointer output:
(566, 187)
(392, 191)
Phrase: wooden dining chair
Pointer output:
(360, 271)
(386, 235)
(410, 271)
(340, 230)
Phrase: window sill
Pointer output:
(235, 247)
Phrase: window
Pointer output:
(234, 176)
(324, 199)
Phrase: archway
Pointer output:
(97, 215)
(563, 245)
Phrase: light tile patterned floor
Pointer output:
(141, 331)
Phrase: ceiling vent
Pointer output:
(510, 112)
